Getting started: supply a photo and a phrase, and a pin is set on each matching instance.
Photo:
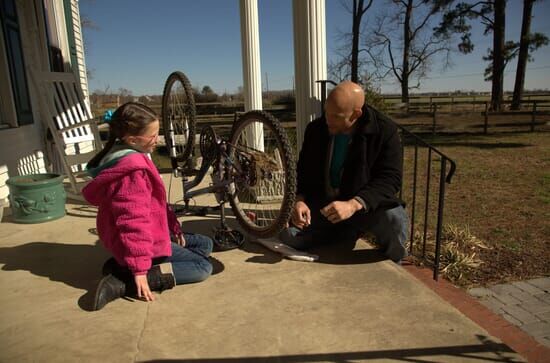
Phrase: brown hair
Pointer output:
(130, 119)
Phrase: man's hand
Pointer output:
(181, 239)
(143, 290)
(301, 215)
(340, 211)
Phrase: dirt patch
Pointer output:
(501, 194)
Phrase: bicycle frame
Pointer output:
(224, 237)
(218, 187)
(225, 163)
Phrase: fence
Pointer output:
(437, 115)
(460, 115)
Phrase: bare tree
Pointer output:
(357, 14)
(124, 92)
(349, 66)
(86, 23)
(528, 43)
(99, 96)
(416, 47)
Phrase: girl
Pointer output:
(133, 220)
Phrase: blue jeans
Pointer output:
(190, 263)
(390, 228)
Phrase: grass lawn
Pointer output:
(501, 193)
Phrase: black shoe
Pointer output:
(110, 288)
(109, 267)
(161, 277)
(396, 252)
(120, 283)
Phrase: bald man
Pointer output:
(349, 174)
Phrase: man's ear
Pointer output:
(357, 113)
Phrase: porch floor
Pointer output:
(350, 306)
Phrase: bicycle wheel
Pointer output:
(262, 195)
(178, 117)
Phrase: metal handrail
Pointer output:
(445, 177)
(424, 143)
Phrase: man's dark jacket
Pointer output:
(372, 170)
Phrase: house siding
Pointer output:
(79, 43)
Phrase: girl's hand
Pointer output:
(181, 240)
(143, 290)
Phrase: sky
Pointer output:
(136, 44)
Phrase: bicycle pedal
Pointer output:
(227, 239)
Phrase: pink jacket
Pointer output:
(132, 220)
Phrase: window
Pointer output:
(16, 62)
(70, 35)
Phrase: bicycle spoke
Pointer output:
(178, 111)
(261, 200)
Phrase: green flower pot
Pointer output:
(36, 198)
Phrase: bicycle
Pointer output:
(254, 170)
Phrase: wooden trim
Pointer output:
(80, 158)
(7, 104)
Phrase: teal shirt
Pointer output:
(113, 156)
(339, 152)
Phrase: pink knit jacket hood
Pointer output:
(133, 220)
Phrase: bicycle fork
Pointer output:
(171, 143)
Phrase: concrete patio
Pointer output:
(352, 305)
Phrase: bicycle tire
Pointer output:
(282, 214)
(185, 121)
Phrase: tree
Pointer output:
(207, 90)
(511, 50)
(417, 45)
(499, 26)
(357, 14)
(528, 43)
(492, 15)
(206, 94)
(349, 66)
(497, 89)
(124, 92)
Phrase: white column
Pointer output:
(252, 75)
(310, 61)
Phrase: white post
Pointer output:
(310, 61)
(252, 75)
